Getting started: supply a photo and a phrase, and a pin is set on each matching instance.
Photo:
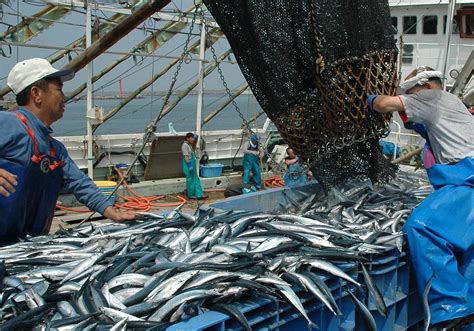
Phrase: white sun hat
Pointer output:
(27, 72)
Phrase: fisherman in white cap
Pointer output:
(440, 231)
(35, 167)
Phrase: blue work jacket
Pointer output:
(16, 150)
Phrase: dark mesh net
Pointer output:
(311, 65)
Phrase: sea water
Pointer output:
(135, 116)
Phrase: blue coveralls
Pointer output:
(193, 183)
(296, 174)
(440, 233)
(29, 210)
(251, 163)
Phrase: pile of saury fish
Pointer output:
(160, 270)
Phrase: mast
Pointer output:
(89, 112)
(451, 7)
(202, 54)
(121, 29)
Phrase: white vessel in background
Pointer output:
(420, 28)
(420, 31)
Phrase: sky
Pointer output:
(133, 73)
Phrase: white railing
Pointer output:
(222, 144)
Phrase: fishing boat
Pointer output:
(105, 143)
(146, 60)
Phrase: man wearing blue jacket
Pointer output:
(440, 231)
(35, 167)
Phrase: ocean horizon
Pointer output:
(136, 115)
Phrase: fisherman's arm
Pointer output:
(186, 151)
(385, 103)
(86, 192)
(9, 139)
(247, 149)
(291, 161)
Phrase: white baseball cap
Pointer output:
(27, 72)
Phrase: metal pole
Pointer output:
(116, 34)
(202, 54)
(89, 112)
(113, 36)
(449, 20)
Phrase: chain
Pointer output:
(227, 90)
(151, 127)
(184, 55)
(281, 169)
(318, 37)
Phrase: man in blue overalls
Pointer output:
(34, 167)
(251, 162)
(193, 183)
(440, 231)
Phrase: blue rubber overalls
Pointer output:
(30, 209)
(251, 163)
(193, 184)
(296, 174)
(440, 233)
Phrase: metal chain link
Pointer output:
(318, 36)
(182, 58)
(151, 127)
(281, 169)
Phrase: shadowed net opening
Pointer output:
(311, 65)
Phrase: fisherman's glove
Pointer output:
(370, 102)
(190, 166)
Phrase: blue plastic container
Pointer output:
(211, 170)
(265, 314)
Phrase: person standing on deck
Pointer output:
(35, 167)
(251, 162)
(440, 231)
(295, 172)
(193, 183)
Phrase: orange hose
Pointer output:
(134, 201)
(274, 181)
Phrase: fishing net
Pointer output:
(311, 65)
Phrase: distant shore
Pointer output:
(109, 95)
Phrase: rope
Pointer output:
(274, 181)
(151, 128)
(134, 201)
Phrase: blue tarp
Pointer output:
(440, 234)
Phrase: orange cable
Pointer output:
(134, 201)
